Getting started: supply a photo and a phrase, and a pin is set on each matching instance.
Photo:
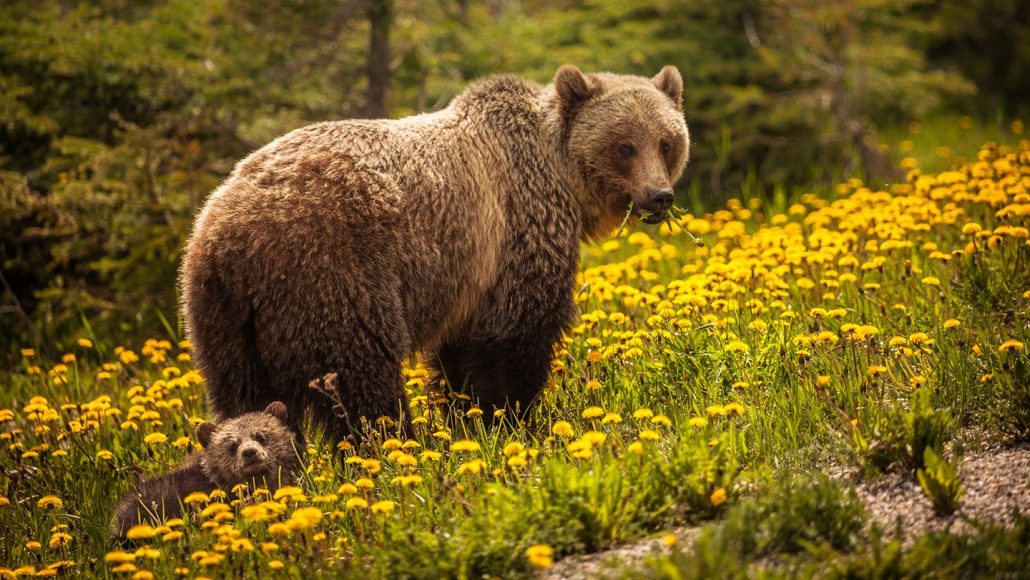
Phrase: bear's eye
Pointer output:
(233, 448)
(627, 151)
(260, 439)
(666, 148)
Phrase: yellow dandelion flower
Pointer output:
(196, 497)
(356, 503)
(736, 346)
(649, 435)
(540, 555)
(465, 445)
(140, 532)
(952, 323)
(661, 420)
(641, 414)
(1011, 345)
(715, 410)
(50, 502)
(735, 408)
(592, 413)
(155, 438)
(562, 429)
(718, 497)
(279, 529)
(59, 540)
(305, 517)
(119, 557)
(473, 467)
(382, 507)
(875, 370)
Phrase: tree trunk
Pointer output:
(380, 14)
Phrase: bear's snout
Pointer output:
(658, 202)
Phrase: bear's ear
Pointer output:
(204, 432)
(670, 82)
(277, 409)
(572, 87)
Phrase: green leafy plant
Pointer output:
(940, 482)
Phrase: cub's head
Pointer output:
(256, 447)
(626, 137)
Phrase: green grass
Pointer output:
(852, 327)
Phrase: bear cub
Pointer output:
(255, 448)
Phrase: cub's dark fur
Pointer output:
(256, 448)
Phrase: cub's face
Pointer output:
(253, 447)
(627, 138)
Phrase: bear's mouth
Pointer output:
(653, 218)
(253, 468)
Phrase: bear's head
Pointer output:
(626, 140)
(256, 447)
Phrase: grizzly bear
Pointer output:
(255, 448)
(347, 246)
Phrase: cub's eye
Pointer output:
(260, 439)
(666, 148)
(233, 448)
(627, 151)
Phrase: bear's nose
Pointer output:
(660, 201)
(249, 453)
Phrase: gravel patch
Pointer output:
(612, 563)
(997, 481)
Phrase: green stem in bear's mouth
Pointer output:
(622, 226)
(671, 216)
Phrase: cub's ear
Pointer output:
(670, 82)
(204, 432)
(572, 87)
(277, 409)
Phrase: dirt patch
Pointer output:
(611, 563)
(997, 481)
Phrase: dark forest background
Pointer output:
(117, 117)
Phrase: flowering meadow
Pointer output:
(881, 329)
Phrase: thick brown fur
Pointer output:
(255, 448)
(346, 246)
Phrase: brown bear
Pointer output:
(255, 448)
(346, 246)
